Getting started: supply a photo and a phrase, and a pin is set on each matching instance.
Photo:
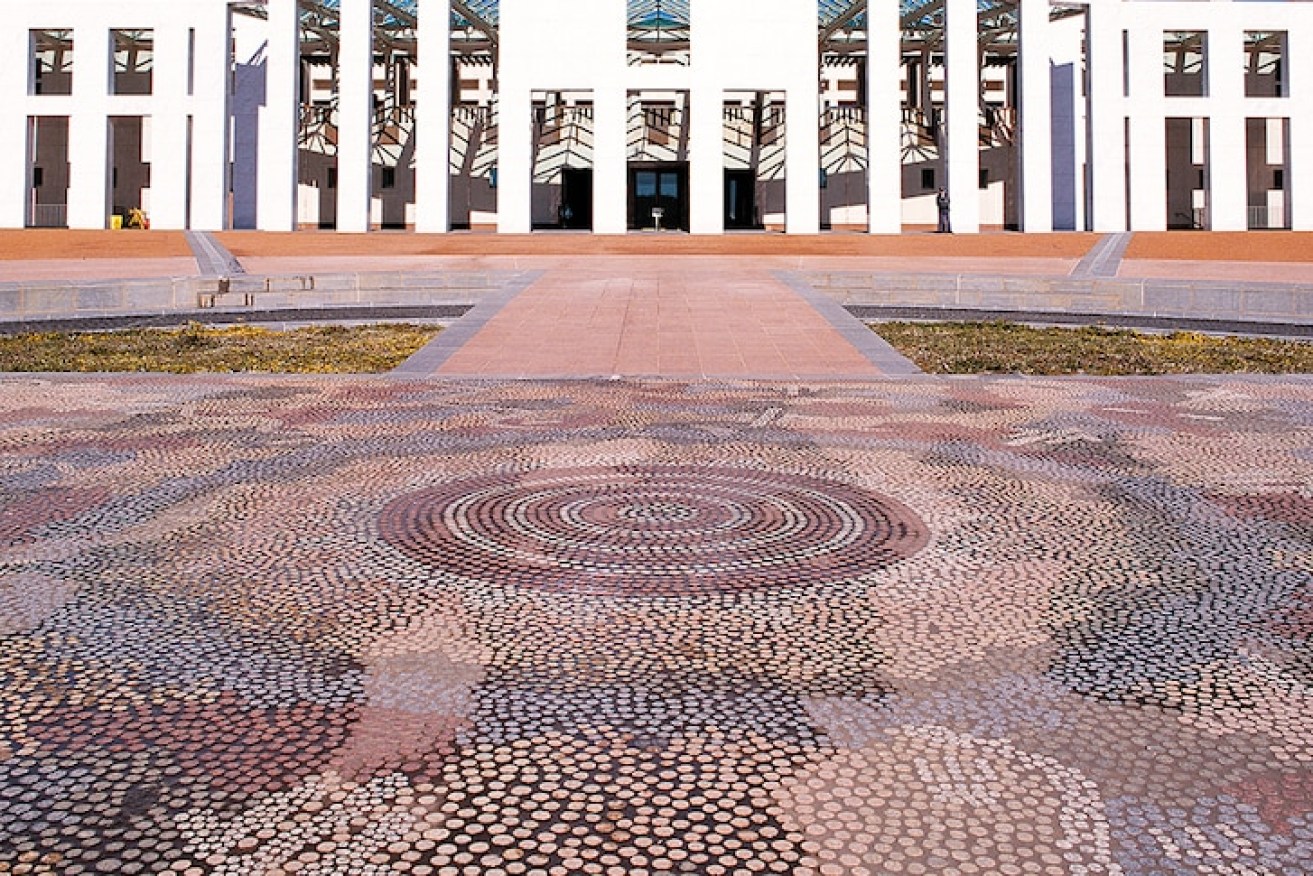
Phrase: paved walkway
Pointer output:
(673, 320)
(334, 625)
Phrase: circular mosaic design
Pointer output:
(652, 530)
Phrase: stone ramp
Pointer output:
(1105, 257)
(663, 319)
(212, 258)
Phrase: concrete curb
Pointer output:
(25, 303)
(876, 349)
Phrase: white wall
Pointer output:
(182, 87)
(540, 51)
(758, 45)
(1224, 106)
(14, 77)
(736, 44)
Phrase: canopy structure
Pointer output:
(662, 25)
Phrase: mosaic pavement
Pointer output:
(302, 625)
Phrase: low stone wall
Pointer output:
(972, 295)
(1290, 304)
(43, 301)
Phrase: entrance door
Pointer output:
(658, 196)
(577, 197)
(740, 199)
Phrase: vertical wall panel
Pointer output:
(1035, 168)
(1106, 153)
(88, 134)
(1228, 194)
(280, 119)
(355, 114)
(610, 116)
(168, 128)
(1148, 132)
(15, 63)
(209, 141)
(884, 118)
(433, 118)
(962, 100)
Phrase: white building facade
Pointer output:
(623, 115)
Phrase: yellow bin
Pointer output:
(116, 222)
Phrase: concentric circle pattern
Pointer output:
(652, 530)
(213, 663)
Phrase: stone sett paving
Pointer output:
(337, 625)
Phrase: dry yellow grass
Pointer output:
(1006, 348)
(314, 350)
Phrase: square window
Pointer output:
(1265, 63)
(134, 61)
(1185, 63)
(52, 61)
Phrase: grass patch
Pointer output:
(326, 349)
(1007, 348)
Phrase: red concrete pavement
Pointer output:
(669, 318)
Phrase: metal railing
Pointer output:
(48, 216)
(1266, 217)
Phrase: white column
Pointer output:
(1035, 172)
(884, 118)
(1299, 61)
(1106, 125)
(514, 160)
(88, 128)
(168, 128)
(209, 137)
(355, 114)
(15, 72)
(1228, 192)
(610, 166)
(1146, 108)
(962, 101)
(802, 158)
(433, 118)
(802, 143)
(706, 147)
(280, 119)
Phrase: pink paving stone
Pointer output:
(1258, 272)
(681, 319)
(57, 270)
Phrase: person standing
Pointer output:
(941, 201)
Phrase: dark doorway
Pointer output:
(577, 198)
(662, 188)
(740, 199)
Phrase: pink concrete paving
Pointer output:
(322, 264)
(1252, 272)
(73, 269)
(673, 320)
